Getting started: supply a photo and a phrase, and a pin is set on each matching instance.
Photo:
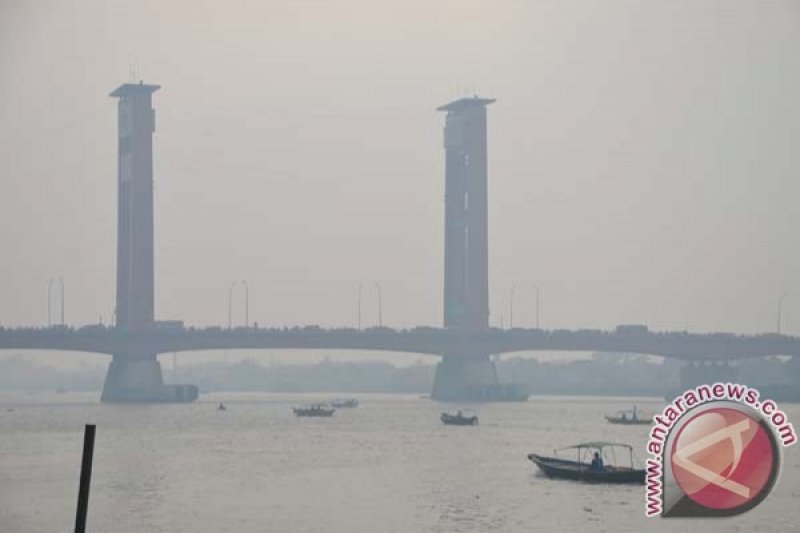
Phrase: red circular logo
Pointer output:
(723, 458)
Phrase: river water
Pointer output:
(388, 465)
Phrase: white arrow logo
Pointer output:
(734, 433)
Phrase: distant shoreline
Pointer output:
(603, 375)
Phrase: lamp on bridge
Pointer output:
(233, 286)
(360, 289)
(780, 308)
(512, 292)
(380, 304)
(50, 282)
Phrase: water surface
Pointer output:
(388, 465)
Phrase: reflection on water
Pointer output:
(389, 465)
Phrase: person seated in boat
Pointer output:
(597, 463)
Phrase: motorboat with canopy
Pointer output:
(580, 463)
(629, 417)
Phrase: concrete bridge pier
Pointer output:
(472, 379)
(138, 379)
(693, 374)
(706, 372)
(456, 377)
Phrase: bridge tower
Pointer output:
(136, 377)
(466, 376)
(466, 222)
(135, 268)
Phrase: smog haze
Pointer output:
(642, 160)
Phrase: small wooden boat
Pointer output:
(629, 417)
(606, 470)
(344, 403)
(314, 410)
(459, 419)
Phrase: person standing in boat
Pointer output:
(597, 463)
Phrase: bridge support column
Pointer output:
(706, 372)
(462, 378)
(133, 379)
(698, 373)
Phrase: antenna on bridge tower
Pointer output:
(133, 71)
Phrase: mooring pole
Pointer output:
(86, 478)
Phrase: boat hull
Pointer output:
(344, 404)
(564, 469)
(629, 421)
(314, 412)
(450, 420)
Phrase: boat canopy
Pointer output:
(598, 445)
(601, 447)
(635, 410)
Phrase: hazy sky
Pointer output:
(643, 157)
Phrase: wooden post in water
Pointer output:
(86, 478)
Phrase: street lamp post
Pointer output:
(511, 305)
(50, 282)
(246, 303)
(61, 283)
(780, 308)
(380, 304)
(230, 304)
(49, 303)
(360, 289)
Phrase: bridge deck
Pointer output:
(434, 341)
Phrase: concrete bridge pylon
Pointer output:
(137, 377)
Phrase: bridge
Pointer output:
(465, 343)
(711, 347)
